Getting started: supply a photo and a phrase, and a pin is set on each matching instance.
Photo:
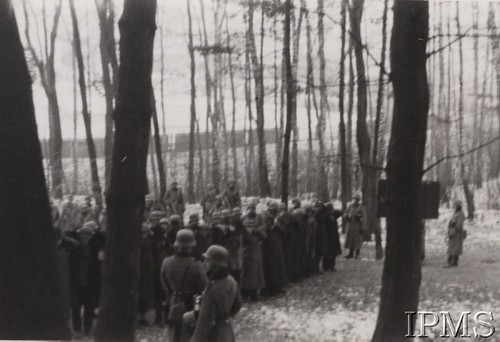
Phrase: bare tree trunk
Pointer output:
(474, 158)
(342, 128)
(362, 136)
(125, 197)
(469, 195)
(96, 185)
(350, 107)
(201, 185)
(236, 175)
(294, 172)
(322, 175)
(190, 187)
(74, 149)
(106, 24)
(313, 181)
(151, 154)
(402, 267)
(379, 252)
(277, 127)
(35, 300)
(46, 68)
(290, 93)
(264, 185)
(158, 148)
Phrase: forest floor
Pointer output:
(343, 305)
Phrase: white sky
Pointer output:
(172, 20)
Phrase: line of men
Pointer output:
(265, 251)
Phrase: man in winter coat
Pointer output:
(231, 240)
(332, 239)
(355, 217)
(455, 235)
(182, 278)
(252, 278)
(231, 196)
(174, 201)
(84, 277)
(201, 235)
(69, 215)
(221, 300)
(208, 203)
(272, 252)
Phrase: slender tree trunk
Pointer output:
(96, 185)
(469, 195)
(475, 161)
(34, 300)
(158, 148)
(342, 128)
(109, 88)
(402, 267)
(190, 188)
(350, 107)
(379, 252)
(74, 149)
(125, 197)
(290, 93)
(264, 185)
(277, 127)
(236, 175)
(322, 174)
(201, 184)
(294, 172)
(313, 180)
(362, 136)
(46, 68)
(151, 154)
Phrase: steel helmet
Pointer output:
(217, 255)
(185, 238)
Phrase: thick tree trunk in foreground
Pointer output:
(125, 197)
(33, 299)
(96, 185)
(402, 269)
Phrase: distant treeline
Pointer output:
(180, 144)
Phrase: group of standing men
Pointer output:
(261, 252)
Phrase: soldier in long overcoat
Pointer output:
(455, 234)
(333, 248)
(174, 201)
(231, 196)
(272, 252)
(220, 301)
(355, 217)
(252, 278)
(182, 278)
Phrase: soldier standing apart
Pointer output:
(355, 218)
(174, 201)
(221, 300)
(182, 278)
(208, 203)
(232, 197)
(455, 235)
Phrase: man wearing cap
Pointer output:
(333, 249)
(69, 215)
(146, 284)
(174, 201)
(84, 278)
(208, 203)
(159, 245)
(455, 235)
(355, 217)
(300, 244)
(175, 226)
(182, 278)
(232, 197)
(272, 252)
(221, 300)
(231, 240)
(252, 277)
(201, 235)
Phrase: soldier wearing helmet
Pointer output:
(221, 299)
(182, 278)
